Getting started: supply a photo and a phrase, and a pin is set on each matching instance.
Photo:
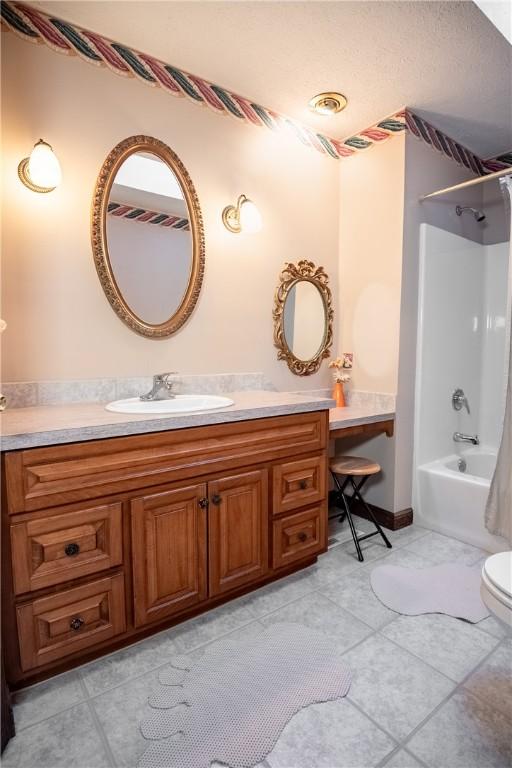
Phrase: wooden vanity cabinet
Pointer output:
(109, 540)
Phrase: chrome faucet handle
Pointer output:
(459, 400)
(164, 377)
(160, 382)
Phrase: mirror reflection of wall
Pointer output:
(304, 320)
(149, 238)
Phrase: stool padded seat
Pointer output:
(353, 465)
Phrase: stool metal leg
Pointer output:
(357, 495)
(341, 495)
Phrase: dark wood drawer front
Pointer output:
(53, 627)
(59, 548)
(299, 536)
(46, 477)
(300, 482)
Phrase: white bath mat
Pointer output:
(233, 703)
(451, 589)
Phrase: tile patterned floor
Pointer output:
(428, 691)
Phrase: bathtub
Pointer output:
(453, 502)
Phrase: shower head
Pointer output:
(479, 215)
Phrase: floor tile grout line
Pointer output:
(20, 728)
(49, 717)
(456, 690)
(100, 730)
(456, 682)
(372, 720)
(385, 760)
(376, 629)
(93, 696)
(405, 741)
(89, 697)
(255, 619)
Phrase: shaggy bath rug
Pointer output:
(232, 704)
(451, 589)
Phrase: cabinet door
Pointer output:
(238, 530)
(169, 552)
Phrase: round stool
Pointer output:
(355, 471)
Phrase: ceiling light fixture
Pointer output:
(328, 103)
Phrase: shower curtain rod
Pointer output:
(469, 183)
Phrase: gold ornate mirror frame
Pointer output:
(99, 235)
(290, 276)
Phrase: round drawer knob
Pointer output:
(72, 549)
(76, 623)
(302, 536)
(216, 499)
(303, 485)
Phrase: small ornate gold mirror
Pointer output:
(303, 317)
(147, 236)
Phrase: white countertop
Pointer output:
(353, 416)
(55, 424)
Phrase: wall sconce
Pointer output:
(242, 217)
(41, 171)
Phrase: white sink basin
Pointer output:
(176, 405)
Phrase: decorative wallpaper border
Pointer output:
(443, 143)
(35, 26)
(148, 217)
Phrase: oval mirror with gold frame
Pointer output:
(303, 317)
(147, 236)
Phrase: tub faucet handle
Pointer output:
(459, 400)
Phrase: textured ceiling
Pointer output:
(443, 59)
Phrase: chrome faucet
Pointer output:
(459, 400)
(162, 387)
(459, 437)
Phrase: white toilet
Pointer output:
(496, 586)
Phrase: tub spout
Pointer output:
(459, 437)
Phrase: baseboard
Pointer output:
(393, 521)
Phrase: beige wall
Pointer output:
(370, 267)
(60, 324)
(371, 225)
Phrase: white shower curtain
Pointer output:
(498, 512)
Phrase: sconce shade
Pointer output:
(41, 171)
(244, 217)
(250, 217)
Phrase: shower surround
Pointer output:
(464, 308)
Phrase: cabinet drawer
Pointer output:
(59, 548)
(53, 627)
(300, 482)
(298, 536)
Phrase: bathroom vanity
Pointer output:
(108, 540)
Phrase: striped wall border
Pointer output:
(63, 37)
(131, 212)
(447, 146)
(35, 26)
